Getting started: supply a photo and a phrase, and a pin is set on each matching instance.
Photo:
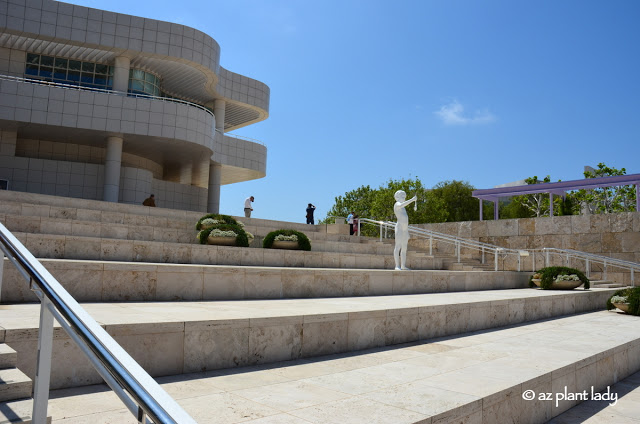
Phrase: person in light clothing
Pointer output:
(247, 206)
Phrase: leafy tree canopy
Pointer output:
(447, 201)
(606, 199)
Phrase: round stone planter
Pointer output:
(291, 245)
(560, 285)
(624, 307)
(222, 241)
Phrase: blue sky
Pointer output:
(363, 91)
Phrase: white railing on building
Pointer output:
(459, 243)
(123, 94)
(146, 400)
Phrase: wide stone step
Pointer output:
(19, 412)
(14, 384)
(175, 338)
(102, 281)
(140, 228)
(480, 377)
(96, 248)
(8, 357)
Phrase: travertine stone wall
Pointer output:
(614, 235)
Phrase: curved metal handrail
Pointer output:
(121, 368)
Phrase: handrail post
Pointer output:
(568, 260)
(458, 250)
(380, 231)
(605, 270)
(546, 259)
(482, 255)
(495, 255)
(588, 268)
(43, 366)
(533, 261)
(633, 283)
(430, 244)
(359, 228)
(518, 262)
(1, 270)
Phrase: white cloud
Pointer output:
(453, 114)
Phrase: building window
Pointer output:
(141, 82)
(69, 71)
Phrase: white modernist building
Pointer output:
(106, 106)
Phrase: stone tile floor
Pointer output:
(625, 410)
(475, 377)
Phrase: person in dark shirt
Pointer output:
(149, 201)
(310, 210)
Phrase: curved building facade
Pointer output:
(107, 106)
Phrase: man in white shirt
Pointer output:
(247, 206)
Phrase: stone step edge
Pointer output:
(95, 281)
(16, 384)
(189, 346)
(138, 251)
(8, 356)
(38, 200)
(20, 414)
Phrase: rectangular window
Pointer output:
(88, 67)
(46, 71)
(33, 59)
(75, 65)
(101, 69)
(73, 76)
(46, 61)
(62, 63)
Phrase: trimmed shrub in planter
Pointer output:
(212, 219)
(225, 230)
(287, 235)
(629, 296)
(556, 274)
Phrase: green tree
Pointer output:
(447, 201)
(606, 199)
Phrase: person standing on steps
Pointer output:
(402, 229)
(310, 210)
(350, 222)
(247, 206)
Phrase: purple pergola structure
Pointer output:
(493, 194)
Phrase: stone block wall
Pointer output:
(614, 235)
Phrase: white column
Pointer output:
(215, 170)
(218, 111)
(112, 169)
(213, 201)
(121, 74)
(186, 173)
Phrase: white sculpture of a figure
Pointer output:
(402, 228)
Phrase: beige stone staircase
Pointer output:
(331, 335)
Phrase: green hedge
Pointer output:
(225, 218)
(548, 276)
(303, 241)
(633, 299)
(241, 238)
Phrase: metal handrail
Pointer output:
(102, 90)
(138, 391)
(498, 251)
(239, 137)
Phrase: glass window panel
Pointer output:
(60, 75)
(46, 72)
(33, 58)
(46, 60)
(88, 67)
(137, 74)
(73, 76)
(148, 88)
(100, 80)
(101, 69)
(86, 78)
(61, 63)
(149, 77)
(136, 86)
(110, 82)
(75, 65)
(31, 70)
(110, 70)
